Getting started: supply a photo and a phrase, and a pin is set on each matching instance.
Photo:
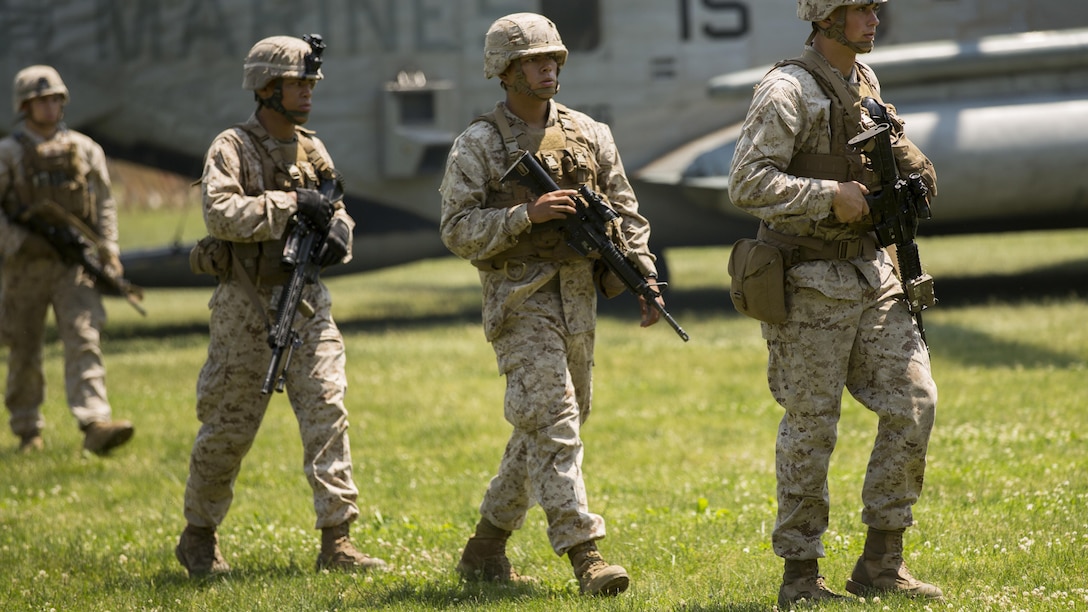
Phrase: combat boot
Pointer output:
(484, 558)
(880, 569)
(198, 552)
(339, 554)
(595, 575)
(102, 436)
(31, 443)
(803, 584)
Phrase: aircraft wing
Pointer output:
(1003, 118)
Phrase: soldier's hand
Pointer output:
(315, 207)
(849, 205)
(110, 262)
(336, 245)
(552, 206)
(651, 315)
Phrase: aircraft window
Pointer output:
(416, 107)
(579, 22)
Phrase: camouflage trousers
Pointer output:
(871, 347)
(29, 284)
(230, 406)
(548, 396)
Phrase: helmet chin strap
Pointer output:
(520, 85)
(837, 32)
(275, 102)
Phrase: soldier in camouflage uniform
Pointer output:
(56, 175)
(258, 176)
(539, 296)
(848, 325)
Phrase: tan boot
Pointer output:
(484, 558)
(198, 552)
(339, 554)
(31, 443)
(803, 584)
(102, 436)
(595, 575)
(880, 569)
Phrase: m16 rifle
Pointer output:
(301, 255)
(587, 234)
(896, 208)
(76, 243)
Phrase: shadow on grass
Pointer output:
(176, 576)
(384, 590)
(1059, 281)
(446, 594)
(731, 606)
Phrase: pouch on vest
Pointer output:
(758, 287)
(210, 256)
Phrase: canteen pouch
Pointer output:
(210, 256)
(758, 287)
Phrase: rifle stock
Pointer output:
(896, 209)
(586, 233)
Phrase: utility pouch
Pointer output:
(210, 256)
(758, 274)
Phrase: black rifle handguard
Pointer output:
(586, 233)
(896, 208)
(301, 255)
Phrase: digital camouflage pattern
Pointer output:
(847, 327)
(240, 207)
(519, 35)
(33, 278)
(818, 10)
(34, 82)
(471, 230)
(540, 316)
(548, 397)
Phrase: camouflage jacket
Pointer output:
(790, 114)
(98, 183)
(474, 231)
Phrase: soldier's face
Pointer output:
(861, 23)
(535, 75)
(297, 95)
(46, 110)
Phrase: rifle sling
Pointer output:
(248, 286)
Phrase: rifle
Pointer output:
(586, 233)
(301, 254)
(896, 209)
(75, 243)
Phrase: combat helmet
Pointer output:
(284, 57)
(35, 82)
(518, 35)
(818, 10)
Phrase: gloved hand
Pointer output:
(316, 208)
(336, 245)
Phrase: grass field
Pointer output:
(679, 460)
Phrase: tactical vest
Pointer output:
(564, 152)
(841, 164)
(54, 171)
(284, 167)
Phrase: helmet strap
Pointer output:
(520, 85)
(837, 32)
(275, 102)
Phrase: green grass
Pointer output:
(679, 460)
